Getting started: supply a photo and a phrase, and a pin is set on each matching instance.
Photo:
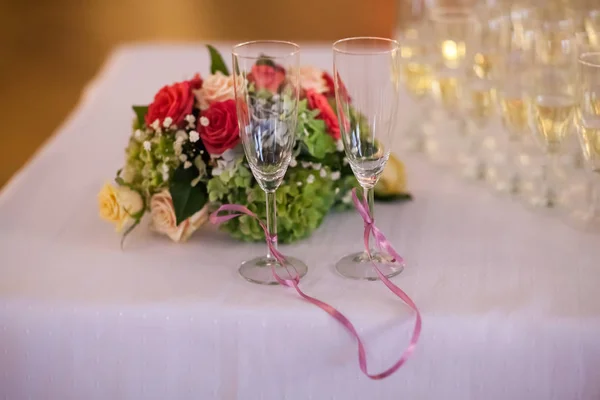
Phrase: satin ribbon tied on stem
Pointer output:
(230, 211)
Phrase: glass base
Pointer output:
(359, 266)
(585, 221)
(547, 200)
(509, 185)
(472, 169)
(258, 270)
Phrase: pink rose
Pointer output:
(222, 131)
(217, 87)
(175, 101)
(267, 77)
(165, 222)
(310, 78)
(317, 101)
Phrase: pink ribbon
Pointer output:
(382, 243)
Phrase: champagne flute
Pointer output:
(587, 122)
(267, 109)
(452, 27)
(512, 94)
(367, 88)
(552, 97)
(415, 51)
(480, 155)
(592, 25)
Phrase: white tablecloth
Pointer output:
(510, 297)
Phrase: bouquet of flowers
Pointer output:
(184, 158)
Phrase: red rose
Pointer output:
(267, 77)
(196, 82)
(331, 87)
(175, 101)
(222, 132)
(319, 102)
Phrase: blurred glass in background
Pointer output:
(497, 95)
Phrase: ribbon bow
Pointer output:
(381, 241)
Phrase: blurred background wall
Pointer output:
(49, 49)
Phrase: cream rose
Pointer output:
(310, 78)
(164, 221)
(118, 204)
(217, 87)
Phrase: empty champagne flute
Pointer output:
(587, 122)
(366, 87)
(267, 109)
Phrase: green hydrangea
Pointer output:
(149, 171)
(319, 181)
(312, 140)
(302, 203)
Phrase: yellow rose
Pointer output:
(165, 222)
(118, 204)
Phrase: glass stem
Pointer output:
(271, 220)
(370, 196)
(550, 178)
(416, 127)
(595, 194)
(514, 148)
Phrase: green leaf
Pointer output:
(140, 112)
(187, 199)
(216, 61)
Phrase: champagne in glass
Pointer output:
(416, 70)
(367, 92)
(480, 155)
(267, 108)
(519, 175)
(451, 28)
(514, 114)
(416, 76)
(552, 116)
(587, 122)
(553, 97)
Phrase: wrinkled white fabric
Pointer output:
(510, 298)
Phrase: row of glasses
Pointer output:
(366, 70)
(506, 85)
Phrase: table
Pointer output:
(510, 298)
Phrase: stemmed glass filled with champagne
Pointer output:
(587, 122)
(452, 27)
(414, 36)
(553, 97)
(480, 155)
(366, 71)
(267, 108)
(515, 69)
